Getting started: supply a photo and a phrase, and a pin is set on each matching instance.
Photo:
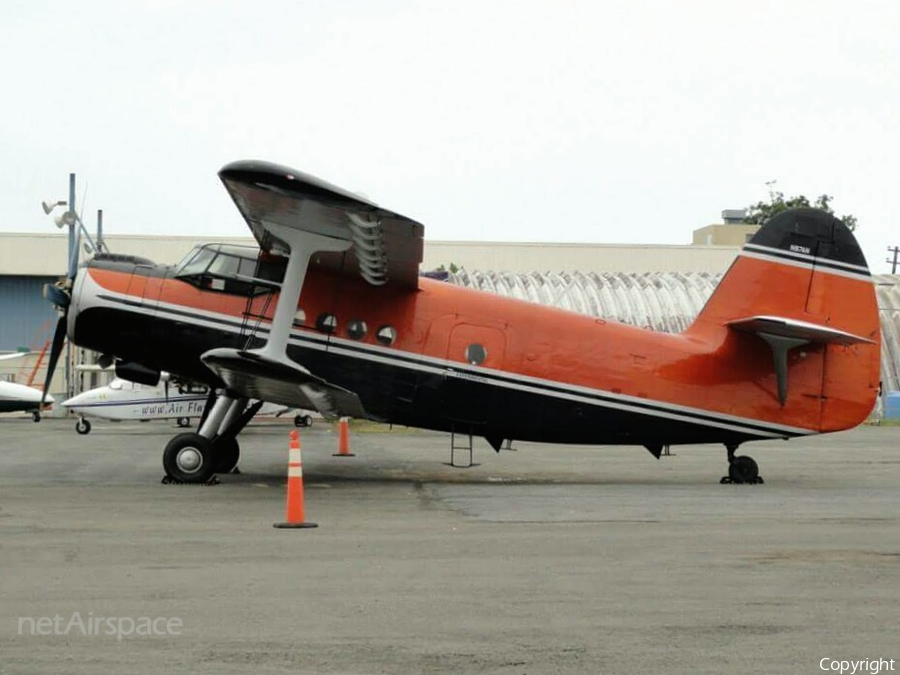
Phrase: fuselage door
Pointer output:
(467, 396)
(476, 345)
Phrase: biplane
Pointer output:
(331, 314)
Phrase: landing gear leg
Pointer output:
(741, 468)
(195, 457)
(83, 426)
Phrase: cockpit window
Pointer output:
(238, 270)
(197, 261)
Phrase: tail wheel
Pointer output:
(183, 422)
(227, 454)
(36, 416)
(83, 427)
(189, 458)
(302, 421)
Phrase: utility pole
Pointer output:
(893, 262)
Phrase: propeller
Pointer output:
(60, 295)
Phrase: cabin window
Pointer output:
(475, 354)
(356, 329)
(192, 388)
(327, 323)
(386, 335)
(299, 317)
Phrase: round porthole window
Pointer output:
(356, 329)
(386, 335)
(475, 354)
(327, 323)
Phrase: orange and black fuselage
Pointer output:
(450, 358)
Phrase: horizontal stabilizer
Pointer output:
(799, 330)
(783, 334)
(281, 381)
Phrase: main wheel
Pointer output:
(36, 416)
(83, 426)
(227, 454)
(189, 458)
(743, 470)
(302, 421)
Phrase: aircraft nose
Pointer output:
(75, 401)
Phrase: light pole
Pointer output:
(893, 261)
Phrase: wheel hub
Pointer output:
(189, 460)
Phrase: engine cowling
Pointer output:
(135, 372)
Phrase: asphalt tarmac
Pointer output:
(541, 559)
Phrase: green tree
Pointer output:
(760, 212)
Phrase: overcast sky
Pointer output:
(602, 121)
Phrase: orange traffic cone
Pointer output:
(294, 510)
(344, 439)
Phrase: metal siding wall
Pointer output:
(26, 318)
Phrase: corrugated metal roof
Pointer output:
(667, 301)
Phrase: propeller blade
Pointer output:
(59, 338)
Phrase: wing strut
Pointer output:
(266, 373)
(303, 244)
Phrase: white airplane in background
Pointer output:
(125, 400)
(18, 397)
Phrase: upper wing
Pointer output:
(387, 246)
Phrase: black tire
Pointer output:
(743, 470)
(83, 427)
(302, 421)
(189, 458)
(36, 416)
(227, 454)
(183, 422)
